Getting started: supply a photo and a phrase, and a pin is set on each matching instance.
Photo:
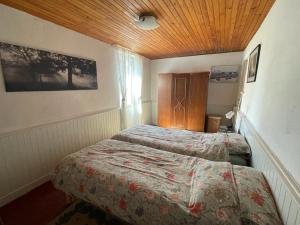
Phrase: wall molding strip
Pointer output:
(58, 121)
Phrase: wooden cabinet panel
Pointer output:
(197, 101)
(180, 101)
(164, 100)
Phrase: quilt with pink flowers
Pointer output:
(211, 146)
(148, 186)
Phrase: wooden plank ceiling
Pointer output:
(187, 27)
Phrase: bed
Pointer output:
(212, 146)
(142, 185)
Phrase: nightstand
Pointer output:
(213, 123)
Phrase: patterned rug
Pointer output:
(82, 213)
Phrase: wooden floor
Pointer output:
(37, 207)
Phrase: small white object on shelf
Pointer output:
(229, 115)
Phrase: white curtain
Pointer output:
(129, 73)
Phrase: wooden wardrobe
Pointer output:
(182, 100)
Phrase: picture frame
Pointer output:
(253, 64)
(224, 74)
(31, 69)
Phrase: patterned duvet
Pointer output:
(147, 186)
(215, 147)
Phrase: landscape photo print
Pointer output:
(28, 69)
(224, 74)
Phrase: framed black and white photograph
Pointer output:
(224, 74)
(28, 69)
(253, 64)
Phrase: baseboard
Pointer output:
(23, 190)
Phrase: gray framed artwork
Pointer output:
(224, 74)
(28, 69)
(253, 64)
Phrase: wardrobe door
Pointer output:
(198, 89)
(180, 97)
(164, 100)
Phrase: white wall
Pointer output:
(221, 96)
(23, 109)
(271, 103)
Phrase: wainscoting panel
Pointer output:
(286, 190)
(27, 156)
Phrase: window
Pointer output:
(129, 72)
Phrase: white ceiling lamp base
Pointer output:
(147, 23)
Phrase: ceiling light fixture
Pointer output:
(147, 22)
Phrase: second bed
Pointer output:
(230, 147)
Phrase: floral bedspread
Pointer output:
(147, 186)
(257, 204)
(235, 144)
(215, 147)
